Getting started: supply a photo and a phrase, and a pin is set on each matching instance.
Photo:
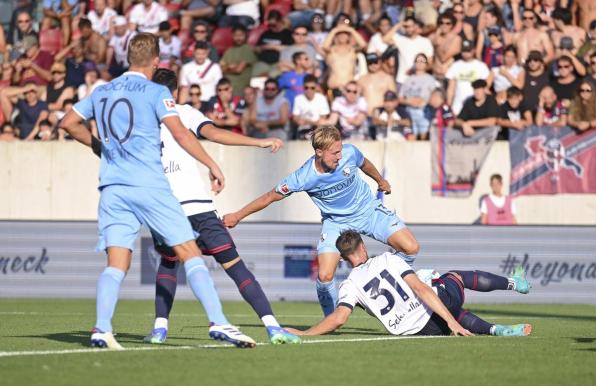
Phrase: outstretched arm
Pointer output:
(226, 137)
(430, 298)
(193, 147)
(232, 219)
(370, 170)
(331, 323)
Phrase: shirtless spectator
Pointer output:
(350, 112)
(375, 83)
(299, 34)
(249, 94)
(224, 109)
(479, 111)
(101, 18)
(61, 12)
(269, 114)
(116, 54)
(196, 9)
(237, 62)
(32, 110)
(94, 45)
(562, 20)
(551, 111)
(446, 43)
(530, 38)
(342, 46)
(586, 9)
(461, 74)
(566, 83)
(310, 109)
(462, 26)
(535, 79)
(410, 44)
(146, 16)
(270, 45)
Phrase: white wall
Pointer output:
(57, 181)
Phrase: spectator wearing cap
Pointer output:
(310, 108)
(387, 122)
(513, 114)
(375, 83)
(415, 94)
(94, 45)
(376, 45)
(31, 109)
(410, 44)
(446, 43)
(341, 48)
(170, 47)
(57, 91)
(350, 112)
(237, 62)
(531, 38)
(300, 36)
(479, 111)
(551, 111)
(270, 45)
(61, 12)
(201, 71)
(146, 16)
(243, 12)
(562, 20)
(566, 83)
(292, 82)
(535, 79)
(507, 75)
(461, 74)
(200, 33)
(225, 109)
(116, 56)
(101, 17)
(34, 66)
(24, 27)
(269, 115)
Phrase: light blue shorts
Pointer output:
(378, 222)
(122, 210)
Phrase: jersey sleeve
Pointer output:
(199, 121)
(84, 108)
(293, 183)
(347, 295)
(165, 105)
(357, 154)
(399, 266)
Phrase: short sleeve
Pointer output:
(84, 108)
(483, 206)
(165, 105)
(357, 154)
(362, 105)
(347, 295)
(183, 77)
(399, 266)
(198, 121)
(323, 106)
(292, 183)
(297, 108)
(452, 71)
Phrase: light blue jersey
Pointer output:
(339, 195)
(128, 111)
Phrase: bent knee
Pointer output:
(411, 247)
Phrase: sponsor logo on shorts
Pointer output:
(170, 104)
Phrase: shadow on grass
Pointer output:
(533, 314)
(584, 339)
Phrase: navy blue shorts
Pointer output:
(214, 239)
(451, 292)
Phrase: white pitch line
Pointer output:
(6, 354)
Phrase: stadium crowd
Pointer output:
(377, 69)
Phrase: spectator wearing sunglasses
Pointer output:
(350, 112)
(300, 36)
(269, 114)
(310, 109)
(535, 79)
(200, 33)
(531, 38)
(375, 83)
(566, 83)
(446, 43)
(225, 109)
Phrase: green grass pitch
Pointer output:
(44, 342)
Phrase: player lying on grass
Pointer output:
(332, 180)
(134, 189)
(388, 289)
(214, 239)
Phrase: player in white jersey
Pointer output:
(186, 183)
(387, 288)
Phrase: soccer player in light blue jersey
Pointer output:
(332, 181)
(134, 189)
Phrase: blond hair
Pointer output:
(142, 49)
(325, 136)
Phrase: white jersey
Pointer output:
(182, 169)
(378, 286)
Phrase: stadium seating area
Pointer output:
(376, 69)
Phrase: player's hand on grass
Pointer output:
(294, 331)
(217, 180)
(230, 220)
(384, 187)
(274, 143)
(458, 330)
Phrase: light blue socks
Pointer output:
(108, 286)
(201, 283)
